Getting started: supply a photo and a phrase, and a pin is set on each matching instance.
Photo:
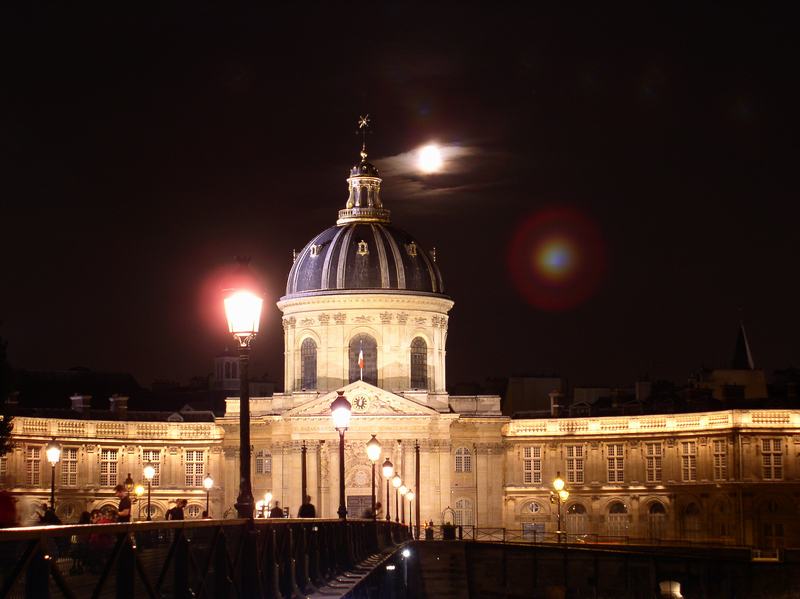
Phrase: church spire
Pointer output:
(742, 358)
(364, 202)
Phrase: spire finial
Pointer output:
(363, 125)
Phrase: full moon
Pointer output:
(430, 159)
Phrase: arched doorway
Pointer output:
(656, 521)
(692, 525)
(366, 345)
(618, 519)
(577, 520)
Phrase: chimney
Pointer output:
(81, 403)
(119, 406)
(555, 403)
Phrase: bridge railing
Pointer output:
(191, 558)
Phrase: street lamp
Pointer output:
(53, 452)
(374, 454)
(208, 484)
(149, 473)
(340, 413)
(129, 484)
(410, 497)
(396, 482)
(388, 472)
(402, 490)
(560, 495)
(243, 311)
(138, 490)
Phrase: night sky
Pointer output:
(141, 152)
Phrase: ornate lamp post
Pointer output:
(560, 495)
(374, 454)
(340, 413)
(149, 473)
(410, 497)
(53, 452)
(396, 483)
(208, 484)
(403, 490)
(243, 311)
(388, 472)
(129, 484)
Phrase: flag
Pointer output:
(361, 358)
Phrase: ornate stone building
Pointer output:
(365, 312)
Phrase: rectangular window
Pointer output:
(653, 453)
(463, 460)
(532, 465)
(153, 457)
(688, 461)
(69, 466)
(575, 464)
(720, 448)
(33, 460)
(195, 468)
(108, 467)
(263, 462)
(616, 462)
(772, 459)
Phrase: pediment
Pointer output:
(366, 400)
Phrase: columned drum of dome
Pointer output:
(364, 279)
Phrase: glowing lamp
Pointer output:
(53, 452)
(563, 494)
(243, 310)
(208, 482)
(373, 450)
(397, 481)
(260, 506)
(388, 469)
(149, 472)
(129, 483)
(410, 495)
(558, 483)
(340, 412)
(268, 497)
(403, 490)
(138, 490)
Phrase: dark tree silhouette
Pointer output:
(6, 419)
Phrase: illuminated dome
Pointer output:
(363, 251)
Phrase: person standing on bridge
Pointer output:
(124, 508)
(307, 510)
(276, 512)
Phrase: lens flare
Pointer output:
(556, 259)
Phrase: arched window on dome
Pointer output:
(227, 370)
(308, 364)
(368, 345)
(419, 363)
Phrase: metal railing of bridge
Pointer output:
(191, 558)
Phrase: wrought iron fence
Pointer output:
(181, 559)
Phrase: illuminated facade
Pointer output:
(365, 312)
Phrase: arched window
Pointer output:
(263, 462)
(369, 347)
(617, 519)
(692, 528)
(419, 363)
(308, 364)
(463, 460)
(194, 511)
(464, 513)
(227, 370)
(577, 520)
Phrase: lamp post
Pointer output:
(374, 454)
(138, 490)
(243, 311)
(149, 473)
(560, 495)
(403, 490)
(53, 452)
(396, 482)
(208, 484)
(410, 497)
(388, 472)
(340, 413)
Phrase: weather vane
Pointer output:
(363, 125)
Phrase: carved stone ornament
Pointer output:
(386, 317)
(363, 248)
(340, 317)
(363, 319)
(307, 322)
(324, 319)
(402, 318)
(420, 320)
